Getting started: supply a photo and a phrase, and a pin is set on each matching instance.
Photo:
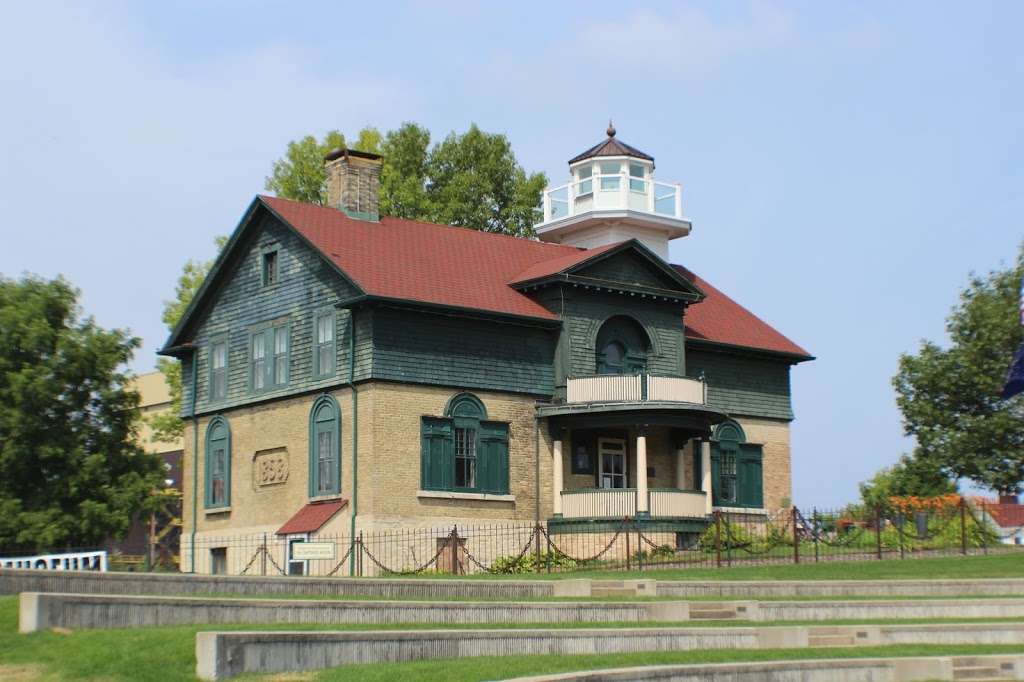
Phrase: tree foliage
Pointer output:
(71, 473)
(950, 397)
(471, 179)
(167, 426)
(910, 476)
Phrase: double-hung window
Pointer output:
(269, 357)
(324, 352)
(464, 451)
(324, 447)
(736, 469)
(219, 370)
(270, 266)
(218, 463)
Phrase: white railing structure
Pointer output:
(627, 193)
(620, 503)
(672, 502)
(615, 503)
(72, 561)
(616, 388)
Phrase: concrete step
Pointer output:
(712, 614)
(831, 640)
(978, 673)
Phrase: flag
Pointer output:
(1015, 377)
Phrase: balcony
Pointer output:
(616, 191)
(620, 503)
(624, 388)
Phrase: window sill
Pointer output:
(757, 511)
(445, 495)
(325, 498)
(217, 510)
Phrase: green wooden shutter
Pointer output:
(436, 465)
(492, 461)
(751, 476)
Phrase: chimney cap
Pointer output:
(338, 153)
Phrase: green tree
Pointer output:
(950, 396)
(71, 472)
(168, 426)
(472, 180)
(909, 476)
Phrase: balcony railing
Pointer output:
(644, 195)
(619, 503)
(615, 388)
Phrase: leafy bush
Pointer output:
(527, 563)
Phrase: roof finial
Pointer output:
(611, 129)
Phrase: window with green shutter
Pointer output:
(324, 447)
(217, 464)
(464, 451)
(737, 477)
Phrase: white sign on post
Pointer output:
(308, 551)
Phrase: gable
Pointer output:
(628, 267)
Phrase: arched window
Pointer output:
(464, 451)
(218, 463)
(622, 346)
(736, 468)
(324, 447)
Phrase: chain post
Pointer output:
(901, 520)
(536, 547)
(984, 528)
(548, 559)
(796, 535)
(718, 538)
(629, 557)
(878, 532)
(263, 561)
(817, 532)
(639, 548)
(359, 563)
(963, 526)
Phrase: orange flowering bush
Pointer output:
(912, 503)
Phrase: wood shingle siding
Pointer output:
(242, 305)
(426, 348)
(742, 385)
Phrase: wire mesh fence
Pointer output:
(918, 528)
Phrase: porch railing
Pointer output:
(635, 388)
(621, 503)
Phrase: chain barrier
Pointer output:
(432, 561)
(526, 548)
(342, 561)
(582, 561)
(262, 549)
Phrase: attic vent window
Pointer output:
(270, 273)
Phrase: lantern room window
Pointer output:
(586, 184)
(610, 176)
(636, 178)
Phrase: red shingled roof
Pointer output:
(1006, 515)
(453, 266)
(312, 517)
(719, 318)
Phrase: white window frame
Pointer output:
(621, 442)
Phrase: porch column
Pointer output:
(705, 473)
(681, 467)
(641, 473)
(556, 477)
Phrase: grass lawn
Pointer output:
(1003, 565)
(167, 653)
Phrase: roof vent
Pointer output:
(353, 183)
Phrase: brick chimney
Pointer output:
(353, 183)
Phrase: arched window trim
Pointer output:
(634, 359)
(723, 430)
(333, 427)
(737, 468)
(459, 403)
(217, 422)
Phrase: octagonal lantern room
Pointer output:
(612, 196)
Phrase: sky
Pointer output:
(845, 165)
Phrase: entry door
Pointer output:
(611, 453)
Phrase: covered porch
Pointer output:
(641, 457)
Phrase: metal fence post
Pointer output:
(263, 559)
(359, 563)
(718, 538)
(984, 528)
(901, 520)
(796, 535)
(548, 559)
(625, 524)
(536, 547)
(639, 549)
(963, 526)
(816, 530)
(878, 532)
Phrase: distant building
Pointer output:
(466, 377)
(165, 530)
(1006, 517)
